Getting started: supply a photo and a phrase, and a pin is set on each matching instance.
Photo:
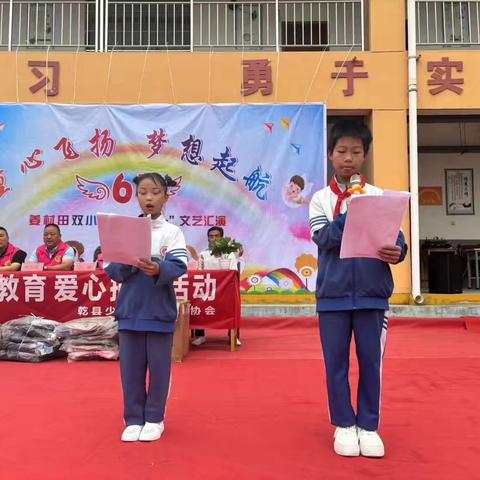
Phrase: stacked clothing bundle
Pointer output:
(89, 338)
(28, 339)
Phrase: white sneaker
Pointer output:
(199, 341)
(131, 433)
(371, 444)
(238, 342)
(151, 432)
(346, 441)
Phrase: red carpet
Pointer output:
(259, 413)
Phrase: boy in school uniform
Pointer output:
(352, 297)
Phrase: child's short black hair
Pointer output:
(349, 128)
(3, 229)
(213, 229)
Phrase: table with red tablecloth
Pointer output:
(214, 296)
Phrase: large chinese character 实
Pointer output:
(8, 288)
(181, 288)
(257, 75)
(66, 145)
(156, 141)
(44, 78)
(94, 283)
(257, 183)
(103, 144)
(350, 74)
(192, 149)
(442, 76)
(3, 184)
(66, 287)
(31, 163)
(34, 288)
(225, 164)
(204, 286)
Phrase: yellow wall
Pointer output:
(386, 21)
(183, 77)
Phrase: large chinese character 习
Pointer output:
(44, 78)
(442, 76)
(257, 183)
(31, 163)
(225, 164)
(156, 141)
(257, 75)
(205, 287)
(66, 287)
(350, 74)
(192, 149)
(3, 184)
(66, 145)
(103, 144)
(8, 288)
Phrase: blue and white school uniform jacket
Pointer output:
(145, 303)
(353, 283)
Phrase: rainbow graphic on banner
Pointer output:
(237, 175)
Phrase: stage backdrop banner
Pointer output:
(251, 169)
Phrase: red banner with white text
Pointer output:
(214, 296)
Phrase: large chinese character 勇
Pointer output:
(257, 76)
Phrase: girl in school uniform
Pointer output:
(146, 312)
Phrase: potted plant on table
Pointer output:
(223, 248)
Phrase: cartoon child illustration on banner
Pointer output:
(295, 191)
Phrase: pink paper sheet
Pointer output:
(124, 239)
(373, 221)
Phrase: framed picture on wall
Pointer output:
(459, 191)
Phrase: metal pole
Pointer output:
(191, 25)
(277, 15)
(413, 157)
(10, 26)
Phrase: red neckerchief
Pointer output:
(341, 196)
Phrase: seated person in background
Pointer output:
(54, 254)
(98, 257)
(208, 261)
(78, 249)
(11, 257)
